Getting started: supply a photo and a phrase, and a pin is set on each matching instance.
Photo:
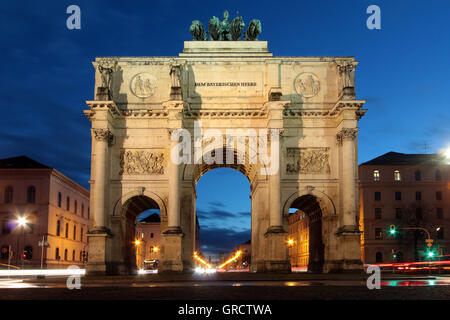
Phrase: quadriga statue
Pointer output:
(237, 28)
(198, 31)
(214, 28)
(253, 30)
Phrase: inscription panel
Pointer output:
(224, 83)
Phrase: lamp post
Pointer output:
(21, 221)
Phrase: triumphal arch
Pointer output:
(289, 124)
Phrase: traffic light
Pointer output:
(392, 230)
(394, 254)
(430, 253)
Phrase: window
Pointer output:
(65, 254)
(376, 175)
(9, 194)
(440, 213)
(440, 233)
(28, 253)
(151, 235)
(68, 203)
(67, 230)
(74, 232)
(397, 176)
(7, 226)
(419, 214)
(4, 253)
(75, 208)
(377, 195)
(31, 194)
(58, 228)
(438, 195)
(151, 249)
(437, 175)
(378, 257)
(81, 256)
(89, 213)
(59, 199)
(418, 195)
(73, 255)
(57, 257)
(418, 175)
(377, 213)
(378, 234)
(82, 210)
(398, 195)
(398, 213)
(81, 235)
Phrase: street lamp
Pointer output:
(21, 222)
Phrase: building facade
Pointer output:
(405, 191)
(50, 207)
(298, 239)
(149, 235)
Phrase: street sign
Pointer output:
(429, 242)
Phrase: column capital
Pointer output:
(346, 134)
(103, 135)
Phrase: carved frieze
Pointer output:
(141, 162)
(308, 160)
(307, 84)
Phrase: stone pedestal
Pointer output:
(103, 94)
(171, 251)
(277, 253)
(175, 93)
(97, 252)
(350, 248)
(348, 93)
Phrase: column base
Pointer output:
(349, 244)
(171, 251)
(97, 251)
(277, 254)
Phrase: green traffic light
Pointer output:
(430, 253)
(392, 231)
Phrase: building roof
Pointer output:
(21, 162)
(151, 218)
(396, 158)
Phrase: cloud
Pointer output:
(216, 240)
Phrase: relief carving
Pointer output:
(143, 85)
(307, 85)
(141, 162)
(308, 160)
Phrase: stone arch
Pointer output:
(326, 204)
(193, 172)
(119, 209)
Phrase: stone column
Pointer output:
(348, 233)
(274, 202)
(346, 137)
(103, 138)
(173, 216)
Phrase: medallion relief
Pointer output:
(307, 84)
(141, 162)
(143, 85)
(308, 160)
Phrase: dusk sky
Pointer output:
(47, 75)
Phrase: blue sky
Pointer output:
(47, 75)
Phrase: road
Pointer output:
(232, 288)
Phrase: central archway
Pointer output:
(223, 209)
